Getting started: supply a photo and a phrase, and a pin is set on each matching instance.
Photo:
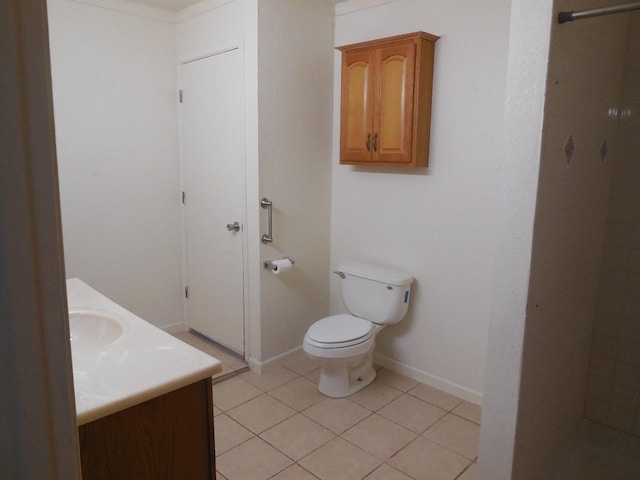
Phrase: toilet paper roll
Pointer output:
(280, 265)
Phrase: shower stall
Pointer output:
(579, 408)
(613, 388)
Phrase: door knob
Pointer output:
(233, 227)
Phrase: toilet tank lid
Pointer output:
(374, 272)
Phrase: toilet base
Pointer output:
(342, 377)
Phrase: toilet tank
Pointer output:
(377, 294)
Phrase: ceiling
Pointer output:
(176, 5)
(169, 5)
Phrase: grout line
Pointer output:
(466, 468)
(306, 455)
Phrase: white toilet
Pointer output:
(344, 343)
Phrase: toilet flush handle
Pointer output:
(340, 274)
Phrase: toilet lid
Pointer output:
(339, 329)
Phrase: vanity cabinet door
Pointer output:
(169, 437)
(385, 102)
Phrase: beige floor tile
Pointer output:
(470, 473)
(219, 476)
(229, 434)
(412, 413)
(425, 460)
(336, 414)
(233, 392)
(470, 411)
(379, 436)
(457, 434)
(375, 395)
(313, 375)
(270, 380)
(396, 380)
(242, 410)
(385, 472)
(297, 436)
(298, 394)
(435, 397)
(301, 363)
(339, 460)
(294, 472)
(255, 459)
(260, 413)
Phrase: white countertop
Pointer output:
(143, 363)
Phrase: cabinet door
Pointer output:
(357, 107)
(393, 119)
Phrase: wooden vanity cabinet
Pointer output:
(168, 437)
(385, 111)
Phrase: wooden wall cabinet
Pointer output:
(385, 111)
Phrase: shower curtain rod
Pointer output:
(564, 17)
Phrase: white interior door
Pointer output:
(213, 156)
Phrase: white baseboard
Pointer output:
(429, 379)
(274, 362)
(386, 362)
(175, 328)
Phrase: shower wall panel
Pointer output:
(613, 393)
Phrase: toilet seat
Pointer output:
(339, 331)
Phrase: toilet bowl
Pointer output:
(344, 343)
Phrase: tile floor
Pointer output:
(278, 426)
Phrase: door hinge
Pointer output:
(180, 96)
(184, 198)
(186, 292)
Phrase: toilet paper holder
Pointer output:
(269, 263)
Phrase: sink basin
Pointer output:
(93, 329)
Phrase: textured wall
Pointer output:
(526, 82)
(295, 80)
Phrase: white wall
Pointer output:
(295, 114)
(438, 224)
(116, 130)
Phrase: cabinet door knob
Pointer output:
(368, 142)
(375, 142)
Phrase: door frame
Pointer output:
(218, 49)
